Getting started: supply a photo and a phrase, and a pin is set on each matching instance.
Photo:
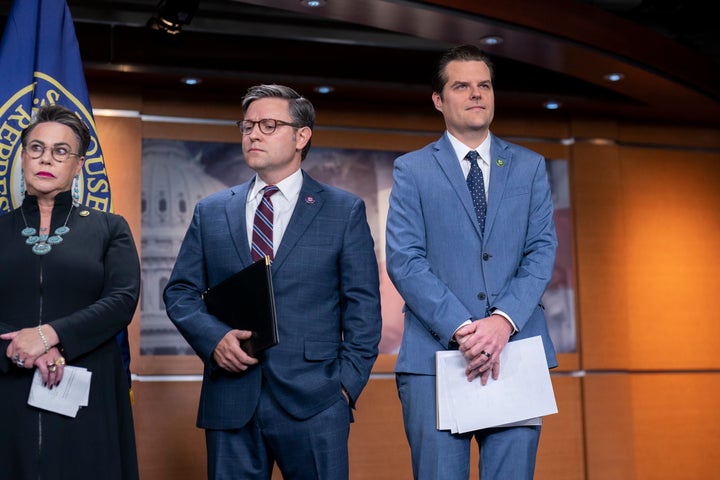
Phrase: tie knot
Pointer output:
(269, 190)
(472, 155)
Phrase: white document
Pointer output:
(66, 398)
(522, 393)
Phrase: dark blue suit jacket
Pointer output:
(325, 279)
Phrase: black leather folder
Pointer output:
(245, 301)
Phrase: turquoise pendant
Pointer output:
(54, 240)
(41, 248)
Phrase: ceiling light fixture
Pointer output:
(191, 80)
(491, 40)
(551, 105)
(313, 3)
(614, 77)
(171, 15)
(324, 89)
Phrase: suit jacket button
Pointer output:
(486, 256)
(481, 295)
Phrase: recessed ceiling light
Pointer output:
(313, 3)
(324, 89)
(191, 80)
(491, 40)
(614, 77)
(551, 105)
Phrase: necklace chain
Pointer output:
(42, 244)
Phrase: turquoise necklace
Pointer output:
(42, 244)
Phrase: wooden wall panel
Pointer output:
(561, 455)
(121, 142)
(378, 448)
(652, 426)
(169, 445)
(688, 136)
(672, 235)
(598, 215)
(676, 425)
(609, 434)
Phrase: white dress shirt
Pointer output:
(283, 205)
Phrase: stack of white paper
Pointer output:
(66, 398)
(522, 393)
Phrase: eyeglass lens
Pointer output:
(266, 125)
(59, 153)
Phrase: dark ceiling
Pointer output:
(381, 52)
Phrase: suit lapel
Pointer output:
(235, 211)
(500, 158)
(445, 156)
(309, 204)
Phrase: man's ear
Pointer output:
(302, 137)
(437, 101)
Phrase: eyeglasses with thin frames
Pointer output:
(59, 153)
(267, 126)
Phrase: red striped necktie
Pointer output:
(262, 238)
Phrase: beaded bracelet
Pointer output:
(44, 340)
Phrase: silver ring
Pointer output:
(15, 358)
(20, 363)
(52, 368)
(486, 354)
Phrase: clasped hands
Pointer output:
(27, 350)
(481, 343)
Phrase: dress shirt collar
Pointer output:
(461, 149)
(289, 187)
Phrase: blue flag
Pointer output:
(40, 64)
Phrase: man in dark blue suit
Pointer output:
(470, 247)
(292, 404)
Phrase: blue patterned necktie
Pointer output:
(262, 238)
(476, 185)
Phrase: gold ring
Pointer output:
(60, 361)
(52, 368)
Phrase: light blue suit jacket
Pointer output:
(325, 280)
(442, 265)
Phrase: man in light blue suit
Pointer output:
(471, 273)
(292, 405)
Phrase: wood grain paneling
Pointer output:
(652, 426)
(169, 445)
(561, 454)
(598, 215)
(672, 238)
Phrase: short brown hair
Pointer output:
(65, 116)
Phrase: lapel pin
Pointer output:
(500, 162)
(310, 200)
(84, 213)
